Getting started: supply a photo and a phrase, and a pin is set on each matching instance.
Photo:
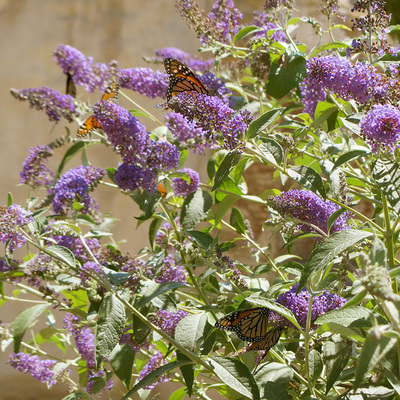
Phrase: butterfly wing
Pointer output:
(270, 340)
(249, 325)
(181, 79)
(110, 94)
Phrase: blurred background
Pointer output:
(122, 30)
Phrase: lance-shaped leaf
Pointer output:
(227, 165)
(336, 354)
(189, 330)
(195, 208)
(262, 122)
(109, 327)
(328, 249)
(235, 375)
(387, 176)
(307, 178)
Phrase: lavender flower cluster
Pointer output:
(10, 219)
(75, 185)
(182, 187)
(298, 304)
(213, 116)
(306, 206)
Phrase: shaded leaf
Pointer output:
(121, 360)
(308, 178)
(262, 122)
(387, 176)
(226, 166)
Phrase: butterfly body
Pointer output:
(110, 94)
(249, 325)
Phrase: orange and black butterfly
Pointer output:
(181, 79)
(111, 94)
(270, 340)
(250, 325)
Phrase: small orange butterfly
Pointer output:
(111, 94)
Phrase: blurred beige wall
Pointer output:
(104, 29)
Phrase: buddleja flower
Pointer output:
(298, 304)
(261, 20)
(171, 272)
(381, 127)
(167, 320)
(75, 185)
(154, 362)
(187, 133)
(182, 187)
(226, 19)
(213, 116)
(311, 95)
(77, 247)
(34, 171)
(306, 206)
(83, 70)
(55, 104)
(130, 177)
(190, 61)
(346, 80)
(144, 81)
(41, 370)
(10, 219)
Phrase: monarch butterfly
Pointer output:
(250, 325)
(270, 340)
(110, 94)
(181, 79)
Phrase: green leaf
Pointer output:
(315, 365)
(378, 254)
(323, 111)
(190, 330)
(153, 289)
(285, 76)
(373, 351)
(262, 122)
(179, 394)
(336, 354)
(236, 375)
(237, 220)
(157, 373)
(204, 240)
(121, 360)
(387, 176)
(351, 155)
(109, 327)
(308, 178)
(147, 202)
(187, 371)
(274, 306)
(328, 46)
(75, 148)
(247, 30)
(227, 164)
(195, 209)
(272, 379)
(328, 249)
(351, 316)
(9, 199)
(23, 321)
(63, 254)
(272, 150)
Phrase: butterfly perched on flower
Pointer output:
(110, 94)
(181, 79)
(250, 325)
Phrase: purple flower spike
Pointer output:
(154, 362)
(130, 177)
(167, 320)
(308, 207)
(40, 369)
(171, 272)
(55, 104)
(311, 95)
(10, 219)
(381, 127)
(298, 304)
(75, 185)
(34, 172)
(343, 78)
(183, 188)
(144, 81)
